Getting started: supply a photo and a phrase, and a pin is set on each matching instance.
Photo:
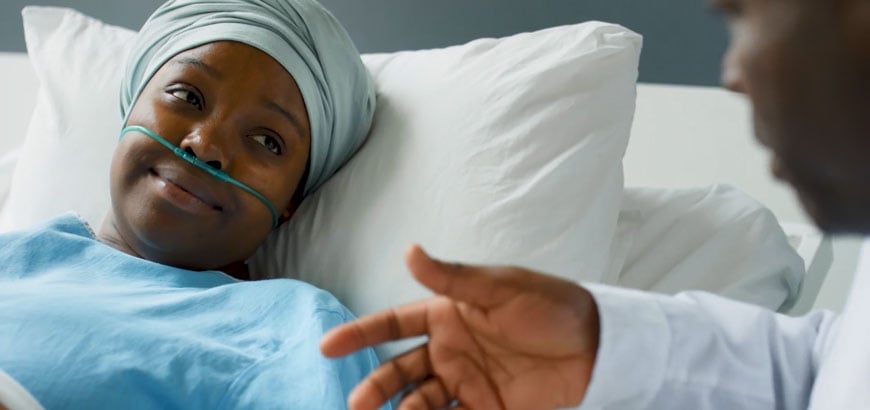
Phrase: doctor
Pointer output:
(507, 338)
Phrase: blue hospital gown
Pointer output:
(83, 325)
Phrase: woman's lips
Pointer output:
(187, 195)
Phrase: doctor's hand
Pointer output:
(499, 338)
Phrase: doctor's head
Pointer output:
(235, 110)
(805, 66)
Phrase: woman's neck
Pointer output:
(109, 234)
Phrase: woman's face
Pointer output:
(236, 109)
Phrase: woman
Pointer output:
(233, 111)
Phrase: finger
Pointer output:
(391, 378)
(393, 324)
(480, 286)
(431, 394)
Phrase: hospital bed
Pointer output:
(697, 209)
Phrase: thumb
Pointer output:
(479, 286)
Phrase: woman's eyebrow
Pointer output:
(272, 106)
(195, 62)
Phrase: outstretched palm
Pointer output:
(499, 338)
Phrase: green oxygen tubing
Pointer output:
(223, 176)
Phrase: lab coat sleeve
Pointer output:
(700, 351)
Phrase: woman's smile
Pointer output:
(186, 194)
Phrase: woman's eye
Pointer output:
(271, 143)
(188, 97)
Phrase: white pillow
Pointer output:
(715, 239)
(19, 85)
(8, 161)
(501, 150)
(498, 151)
(64, 161)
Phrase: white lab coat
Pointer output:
(698, 351)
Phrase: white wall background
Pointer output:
(683, 40)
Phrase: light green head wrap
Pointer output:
(301, 35)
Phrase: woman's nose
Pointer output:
(208, 148)
(216, 164)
